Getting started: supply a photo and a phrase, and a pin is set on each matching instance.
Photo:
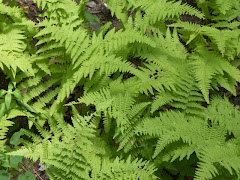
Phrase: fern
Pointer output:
(143, 96)
(79, 151)
(154, 12)
(127, 170)
(13, 45)
(215, 66)
(209, 142)
(186, 98)
(3, 132)
(225, 44)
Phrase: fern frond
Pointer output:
(207, 65)
(72, 155)
(11, 50)
(226, 44)
(209, 141)
(101, 99)
(4, 125)
(226, 117)
(224, 6)
(185, 98)
(126, 169)
(154, 11)
(212, 157)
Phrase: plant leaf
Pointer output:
(2, 110)
(18, 94)
(4, 175)
(15, 160)
(2, 92)
(91, 18)
(27, 176)
(8, 99)
(14, 139)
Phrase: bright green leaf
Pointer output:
(18, 94)
(10, 86)
(26, 106)
(2, 92)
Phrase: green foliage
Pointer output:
(208, 137)
(3, 132)
(4, 175)
(10, 166)
(27, 176)
(78, 147)
(14, 29)
(143, 99)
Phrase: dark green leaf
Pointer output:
(4, 160)
(2, 110)
(4, 175)
(27, 176)
(15, 160)
(91, 18)
(8, 99)
(26, 106)
(15, 137)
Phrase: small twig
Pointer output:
(37, 174)
(24, 168)
(95, 12)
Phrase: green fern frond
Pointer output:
(185, 98)
(72, 155)
(226, 44)
(207, 65)
(101, 99)
(226, 117)
(4, 125)
(163, 9)
(212, 157)
(183, 152)
(154, 11)
(209, 141)
(126, 169)
(224, 6)
(11, 50)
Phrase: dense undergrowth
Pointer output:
(141, 102)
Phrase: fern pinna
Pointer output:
(144, 99)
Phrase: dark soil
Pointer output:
(104, 14)
(233, 99)
(4, 81)
(31, 10)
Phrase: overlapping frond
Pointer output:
(72, 154)
(4, 125)
(154, 12)
(208, 141)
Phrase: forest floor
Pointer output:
(99, 9)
